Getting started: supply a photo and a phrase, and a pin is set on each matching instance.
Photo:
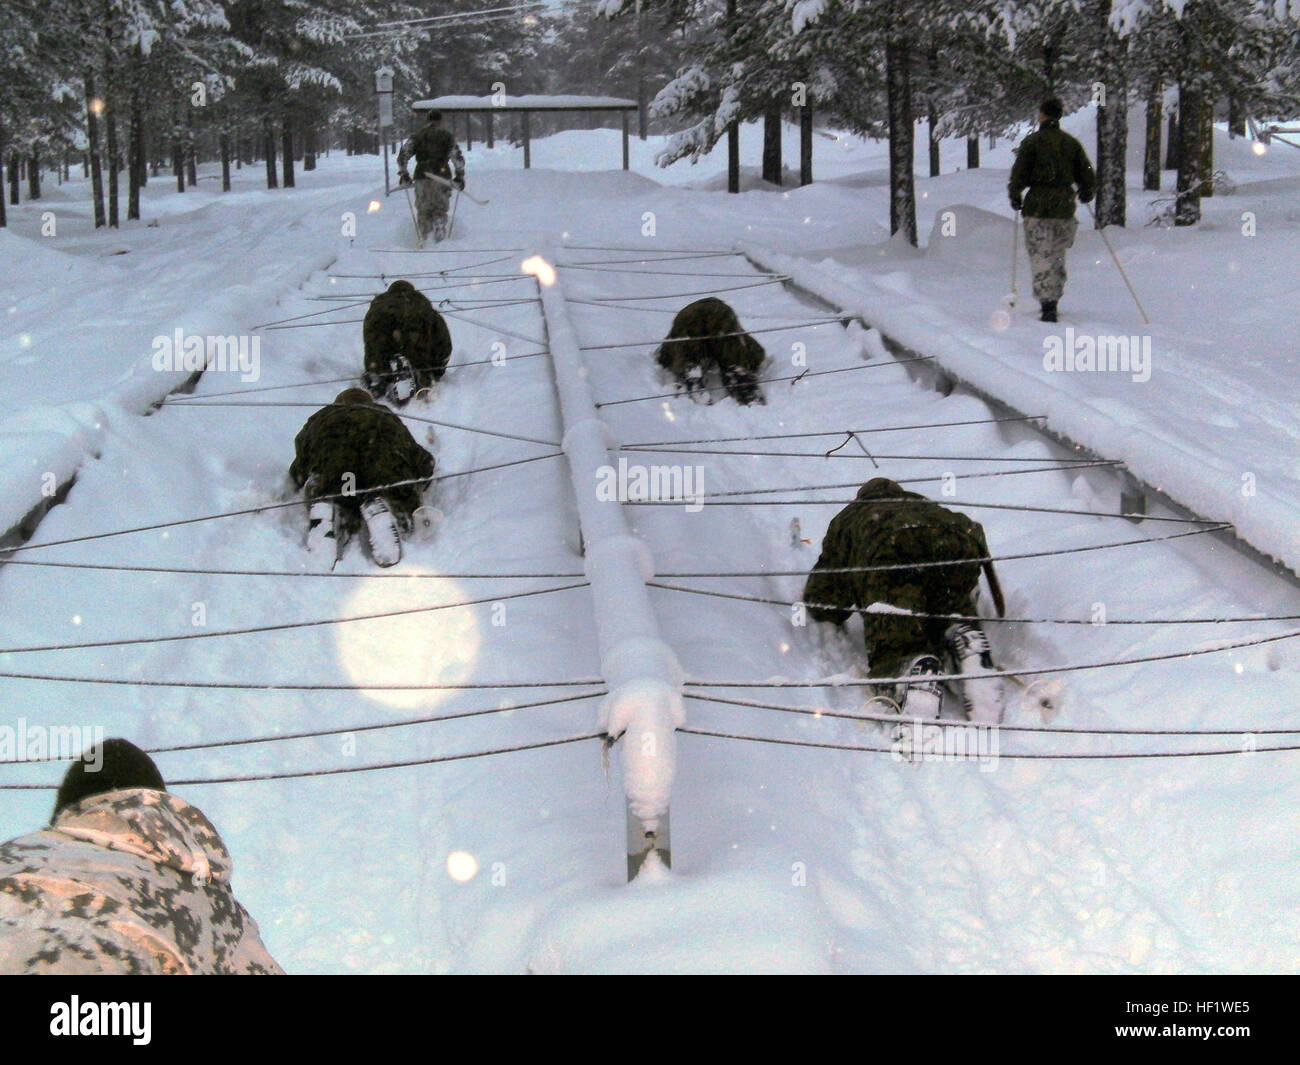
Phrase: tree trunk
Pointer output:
(1112, 151)
(4, 221)
(902, 182)
(135, 153)
(491, 132)
(772, 144)
(1171, 144)
(1188, 209)
(110, 126)
(225, 160)
(268, 147)
(309, 147)
(1207, 145)
(34, 175)
(13, 178)
(973, 152)
(1151, 152)
(1236, 118)
(191, 148)
(286, 149)
(805, 144)
(932, 113)
(92, 143)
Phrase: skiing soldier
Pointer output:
(705, 337)
(1050, 164)
(883, 535)
(436, 155)
(407, 344)
(127, 879)
(357, 464)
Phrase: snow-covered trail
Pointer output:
(784, 859)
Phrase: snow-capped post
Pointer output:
(384, 92)
(644, 706)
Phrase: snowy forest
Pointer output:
(130, 89)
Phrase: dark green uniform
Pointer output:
(705, 325)
(1050, 163)
(402, 321)
(353, 435)
(869, 532)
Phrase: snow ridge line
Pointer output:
(812, 279)
(644, 706)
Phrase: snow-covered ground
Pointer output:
(785, 858)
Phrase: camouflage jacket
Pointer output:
(1050, 163)
(368, 442)
(436, 152)
(133, 881)
(871, 532)
(402, 321)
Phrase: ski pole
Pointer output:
(415, 221)
(1119, 266)
(455, 202)
(1015, 242)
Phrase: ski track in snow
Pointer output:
(784, 859)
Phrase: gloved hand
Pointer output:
(1017, 203)
(1085, 199)
(403, 177)
(459, 182)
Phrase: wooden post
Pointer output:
(491, 132)
(625, 144)
(528, 151)
(469, 131)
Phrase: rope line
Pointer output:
(285, 626)
(835, 432)
(1227, 645)
(775, 279)
(232, 685)
(764, 381)
(810, 323)
(978, 617)
(888, 719)
(248, 778)
(961, 562)
(1040, 756)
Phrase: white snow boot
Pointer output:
(381, 531)
(921, 698)
(968, 648)
(322, 531)
(401, 380)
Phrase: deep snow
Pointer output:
(784, 858)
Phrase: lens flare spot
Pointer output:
(462, 866)
(1259, 147)
(1000, 320)
(539, 268)
(375, 205)
(418, 652)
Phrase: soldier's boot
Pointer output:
(919, 699)
(1048, 311)
(440, 228)
(401, 380)
(968, 650)
(693, 380)
(742, 385)
(322, 530)
(373, 382)
(381, 531)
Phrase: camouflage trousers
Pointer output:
(431, 201)
(1047, 240)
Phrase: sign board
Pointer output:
(385, 109)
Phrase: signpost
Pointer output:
(384, 90)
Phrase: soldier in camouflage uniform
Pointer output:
(351, 449)
(1050, 163)
(407, 344)
(127, 879)
(889, 527)
(436, 152)
(706, 335)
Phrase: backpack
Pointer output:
(432, 150)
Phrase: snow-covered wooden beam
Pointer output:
(644, 706)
